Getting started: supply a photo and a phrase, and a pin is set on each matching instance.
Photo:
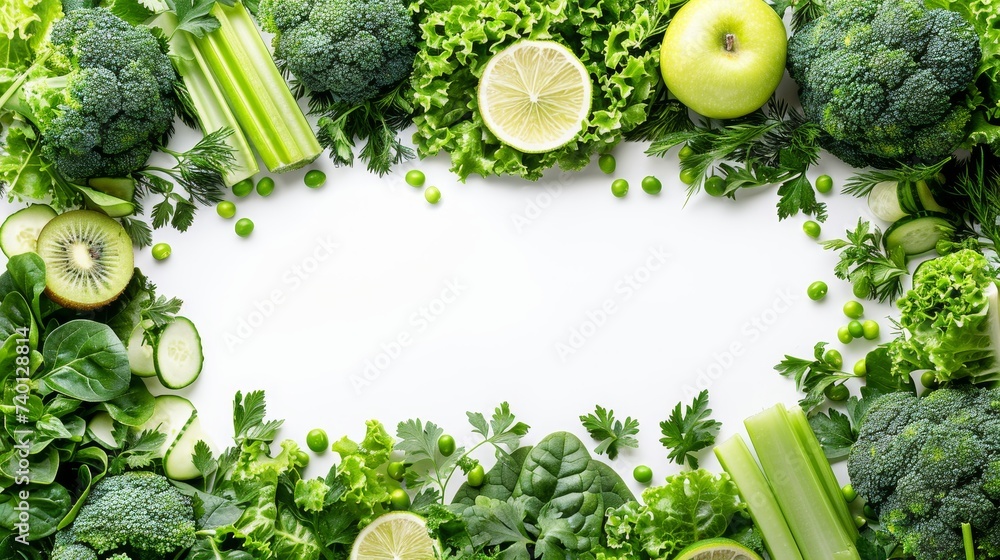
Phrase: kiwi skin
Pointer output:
(116, 234)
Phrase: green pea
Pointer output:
(869, 512)
(685, 152)
(243, 188)
(244, 227)
(837, 393)
(651, 185)
(860, 521)
(811, 228)
(862, 287)
(870, 329)
(316, 440)
(432, 195)
(314, 179)
(688, 176)
(861, 368)
(834, 358)
(817, 290)
(396, 470)
(850, 494)
(619, 187)
(855, 328)
(301, 458)
(399, 500)
(446, 445)
(415, 178)
(226, 209)
(265, 186)
(607, 163)
(844, 335)
(715, 186)
(161, 251)
(642, 474)
(476, 476)
(824, 184)
(929, 379)
(854, 309)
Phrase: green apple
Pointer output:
(724, 58)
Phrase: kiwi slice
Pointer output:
(88, 259)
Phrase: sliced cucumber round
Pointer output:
(883, 201)
(140, 353)
(918, 233)
(177, 354)
(892, 201)
(178, 463)
(100, 428)
(170, 415)
(20, 230)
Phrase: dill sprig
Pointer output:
(863, 183)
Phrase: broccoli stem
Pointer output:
(735, 457)
(970, 549)
(213, 111)
(799, 486)
(237, 57)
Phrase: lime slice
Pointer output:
(535, 95)
(395, 536)
(717, 549)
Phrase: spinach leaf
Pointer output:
(93, 466)
(497, 523)
(123, 314)
(86, 361)
(15, 313)
(499, 482)
(12, 550)
(292, 539)
(614, 490)
(134, 406)
(47, 505)
(27, 273)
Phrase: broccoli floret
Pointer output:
(886, 80)
(104, 77)
(926, 466)
(353, 49)
(136, 515)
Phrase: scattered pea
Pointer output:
(854, 309)
(265, 186)
(619, 187)
(685, 152)
(929, 379)
(607, 163)
(855, 328)
(396, 470)
(817, 290)
(316, 440)
(715, 186)
(161, 251)
(850, 494)
(314, 179)
(432, 195)
(243, 188)
(476, 476)
(844, 335)
(861, 368)
(688, 176)
(226, 209)
(244, 227)
(860, 521)
(811, 228)
(824, 183)
(834, 358)
(446, 445)
(651, 185)
(869, 512)
(642, 474)
(870, 329)
(415, 178)
(399, 499)
(301, 458)
(837, 393)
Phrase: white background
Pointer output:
(534, 263)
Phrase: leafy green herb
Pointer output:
(874, 273)
(138, 452)
(973, 190)
(862, 183)
(248, 419)
(689, 430)
(611, 433)
(812, 377)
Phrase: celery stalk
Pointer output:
(821, 466)
(754, 491)
(798, 488)
(213, 111)
(258, 95)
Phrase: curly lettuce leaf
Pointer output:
(27, 176)
(458, 40)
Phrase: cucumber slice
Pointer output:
(20, 230)
(926, 197)
(178, 463)
(140, 353)
(892, 201)
(883, 201)
(171, 414)
(918, 233)
(118, 187)
(993, 316)
(110, 205)
(100, 428)
(177, 354)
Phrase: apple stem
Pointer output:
(730, 42)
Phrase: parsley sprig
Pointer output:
(612, 434)
(689, 430)
(812, 377)
(875, 273)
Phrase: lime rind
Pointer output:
(717, 549)
(398, 536)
